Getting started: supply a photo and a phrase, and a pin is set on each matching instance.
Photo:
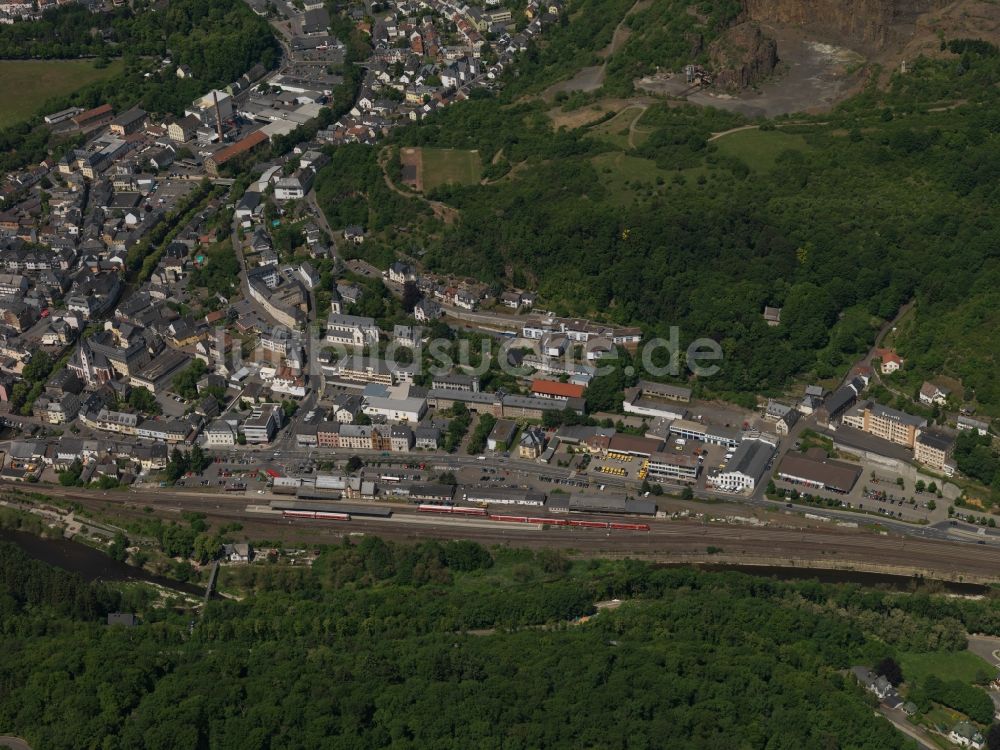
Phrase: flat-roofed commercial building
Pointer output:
(724, 436)
(603, 504)
(671, 465)
(156, 374)
(746, 468)
(633, 445)
(819, 473)
(262, 424)
(665, 391)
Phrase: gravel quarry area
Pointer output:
(813, 76)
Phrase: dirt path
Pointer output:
(879, 338)
(899, 721)
(591, 78)
(622, 32)
(519, 167)
(716, 136)
(635, 120)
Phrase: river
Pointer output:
(906, 584)
(89, 563)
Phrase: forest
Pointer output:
(220, 41)
(453, 645)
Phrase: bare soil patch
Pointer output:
(413, 168)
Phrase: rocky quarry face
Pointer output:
(744, 55)
(872, 24)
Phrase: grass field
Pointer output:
(25, 85)
(629, 177)
(759, 149)
(963, 666)
(447, 165)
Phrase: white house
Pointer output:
(220, 432)
(965, 734)
(891, 362)
(295, 186)
(931, 394)
(968, 423)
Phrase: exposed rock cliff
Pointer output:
(869, 23)
(742, 56)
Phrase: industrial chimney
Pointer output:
(218, 114)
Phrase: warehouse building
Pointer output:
(746, 468)
(818, 472)
(633, 445)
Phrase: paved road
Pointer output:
(14, 743)
(986, 647)
(321, 220)
(898, 719)
(879, 338)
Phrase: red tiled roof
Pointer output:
(555, 388)
(94, 113)
(888, 355)
(240, 147)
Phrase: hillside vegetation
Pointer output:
(25, 85)
(838, 220)
(369, 648)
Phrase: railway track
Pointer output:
(949, 559)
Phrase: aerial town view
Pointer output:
(520, 374)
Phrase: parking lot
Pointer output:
(877, 492)
(625, 467)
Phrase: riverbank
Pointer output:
(882, 576)
(89, 563)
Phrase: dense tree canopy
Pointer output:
(370, 647)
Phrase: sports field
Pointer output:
(26, 85)
(440, 166)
